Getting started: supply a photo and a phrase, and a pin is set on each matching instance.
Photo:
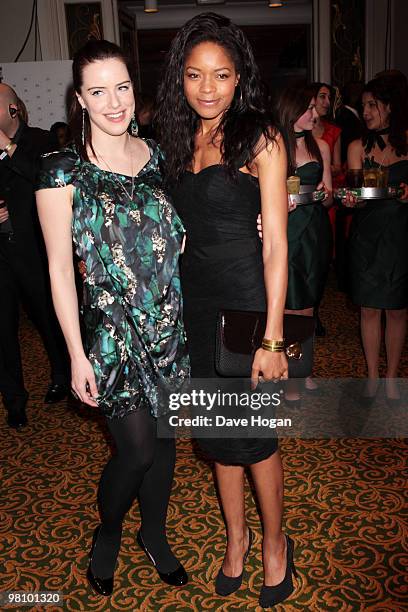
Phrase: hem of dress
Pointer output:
(261, 456)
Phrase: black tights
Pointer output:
(143, 467)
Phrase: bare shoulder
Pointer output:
(355, 146)
(272, 144)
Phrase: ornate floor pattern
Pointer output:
(345, 507)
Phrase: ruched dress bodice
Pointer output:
(222, 263)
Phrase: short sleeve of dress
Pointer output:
(57, 169)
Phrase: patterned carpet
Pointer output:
(345, 507)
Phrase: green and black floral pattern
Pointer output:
(132, 306)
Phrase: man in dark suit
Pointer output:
(23, 271)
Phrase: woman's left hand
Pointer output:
(404, 196)
(322, 187)
(268, 366)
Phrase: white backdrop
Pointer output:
(43, 87)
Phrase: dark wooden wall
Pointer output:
(282, 53)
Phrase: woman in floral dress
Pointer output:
(105, 192)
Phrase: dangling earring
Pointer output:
(83, 125)
(134, 128)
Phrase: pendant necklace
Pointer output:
(121, 185)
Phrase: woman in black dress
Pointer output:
(309, 231)
(227, 161)
(378, 242)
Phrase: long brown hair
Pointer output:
(92, 51)
(291, 105)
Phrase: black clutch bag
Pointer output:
(240, 334)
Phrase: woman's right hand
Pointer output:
(349, 200)
(4, 215)
(291, 204)
(259, 226)
(83, 381)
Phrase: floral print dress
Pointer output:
(132, 305)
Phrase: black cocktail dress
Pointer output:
(222, 268)
(378, 249)
(309, 246)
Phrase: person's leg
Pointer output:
(11, 373)
(371, 339)
(230, 481)
(268, 479)
(135, 438)
(292, 390)
(154, 495)
(395, 332)
(28, 268)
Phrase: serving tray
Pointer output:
(306, 198)
(369, 193)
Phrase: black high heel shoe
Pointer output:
(272, 595)
(176, 578)
(367, 400)
(103, 586)
(225, 585)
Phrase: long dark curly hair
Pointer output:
(381, 89)
(291, 104)
(244, 121)
(92, 51)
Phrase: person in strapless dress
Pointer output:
(226, 162)
(309, 232)
(378, 241)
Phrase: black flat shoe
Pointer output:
(176, 578)
(225, 585)
(296, 403)
(55, 393)
(366, 400)
(16, 415)
(320, 330)
(316, 391)
(272, 595)
(393, 402)
(103, 586)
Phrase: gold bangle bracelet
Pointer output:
(273, 349)
(274, 342)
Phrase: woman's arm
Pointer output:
(55, 214)
(336, 161)
(355, 155)
(327, 175)
(271, 164)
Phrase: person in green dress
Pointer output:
(309, 231)
(105, 193)
(378, 240)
